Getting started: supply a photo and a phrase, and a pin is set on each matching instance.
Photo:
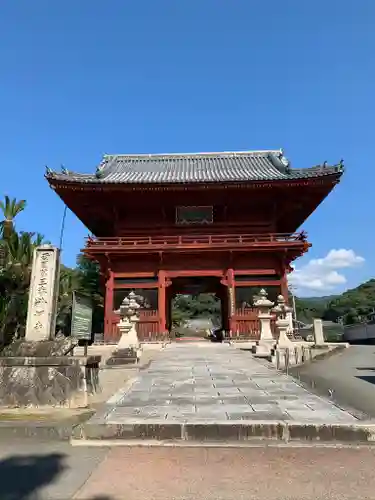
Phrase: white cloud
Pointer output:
(321, 275)
(338, 259)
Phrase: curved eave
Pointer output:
(61, 181)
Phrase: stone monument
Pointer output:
(282, 323)
(43, 294)
(318, 332)
(266, 341)
(128, 348)
(289, 317)
(40, 369)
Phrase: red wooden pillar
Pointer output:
(108, 310)
(231, 300)
(162, 301)
(284, 286)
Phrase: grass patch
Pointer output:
(5, 417)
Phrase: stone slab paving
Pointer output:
(210, 383)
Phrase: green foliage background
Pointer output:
(16, 255)
(204, 305)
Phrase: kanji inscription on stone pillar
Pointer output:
(44, 284)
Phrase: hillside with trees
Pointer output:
(204, 305)
(353, 306)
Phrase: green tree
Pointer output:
(354, 305)
(69, 281)
(10, 209)
(15, 273)
(307, 310)
(90, 283)
(16, 256)
(204, 305)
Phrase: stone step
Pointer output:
(242, 431)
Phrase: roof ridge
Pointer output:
(205, 153)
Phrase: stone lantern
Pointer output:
(128, 348)
(266, 341)
(264, 305)
(128, 322)
(282, 322)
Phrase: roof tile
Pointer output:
(195, 168)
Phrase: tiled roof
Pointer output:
(194, 168)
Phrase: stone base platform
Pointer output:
(241, 431)
(123, 357)
(263, 349)
(30, 381)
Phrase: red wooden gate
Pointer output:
(247, 324)
(147, 327)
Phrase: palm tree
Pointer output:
(20, 247)
(10, 209)
(15, 273)
(39, 239)
(2, 253)
(16, 257)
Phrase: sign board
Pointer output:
(81, 317)
(194, 215)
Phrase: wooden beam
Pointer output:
(135, 275)
(257, 283)
(254, 272)
(194, 273)
(121, 286)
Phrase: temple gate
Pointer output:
(228, 219)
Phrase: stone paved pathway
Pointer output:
(215, 383)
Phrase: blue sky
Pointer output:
(84, 78)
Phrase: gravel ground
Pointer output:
(233, 474)
(57, 471)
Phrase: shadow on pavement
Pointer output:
(22, 476)
(367, 378)
(101, 498)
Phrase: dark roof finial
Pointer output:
(48, 170)
(99, 169)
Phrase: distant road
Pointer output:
(350, 374)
